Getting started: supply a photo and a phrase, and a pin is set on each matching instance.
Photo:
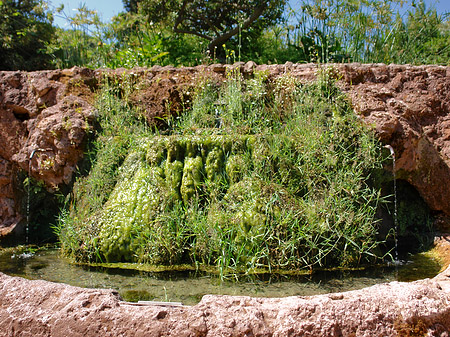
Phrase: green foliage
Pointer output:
(129, 41)
(119, 130)
(137, 43)
(25, 30)
(130, 5)
(422, 39)
(72, 48)
(214, 21)
(366, 31)
(84, 44)
(237, 184)
(41, 207)
(195, 32)
(315, 31)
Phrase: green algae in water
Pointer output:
(188, 286)
(419, 266)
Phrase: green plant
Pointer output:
(119, 130)
(233, 183)
(420, 39)
(41, 208)
(25, 31)
(213, 21)
(148, 52)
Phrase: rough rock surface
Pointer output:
(409, 107)
(41, 308)
(47, 116)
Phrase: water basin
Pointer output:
(188, 287)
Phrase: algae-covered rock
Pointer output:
(174, 175)
(221, 199)
(251, 203)
(157, 151)
(260, 190)
(192, 177)
(214, 164)
(235, 168)
(159, 174)
(137, 197)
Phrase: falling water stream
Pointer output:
(27, 226)
(396, 258)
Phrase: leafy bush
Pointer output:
(25, 30)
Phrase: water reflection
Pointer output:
(189, 286)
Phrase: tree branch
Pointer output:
(180, 16)
(191, 21)
(227, 35)
(184, 31)
(179, 21)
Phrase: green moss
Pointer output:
(130, 207)
(157, 151)
(263, 190)
(149, 185)
(174, 175)
(235, 168)
(192, 177)
(214, 163)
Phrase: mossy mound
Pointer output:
(237, 184)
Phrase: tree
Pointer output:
(130, 6)
(25, 30)
(215, 21)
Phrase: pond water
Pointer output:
(188, 287)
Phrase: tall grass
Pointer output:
(256, 173)
(119, 130)
(371, 31)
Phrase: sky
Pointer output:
(108, 8)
